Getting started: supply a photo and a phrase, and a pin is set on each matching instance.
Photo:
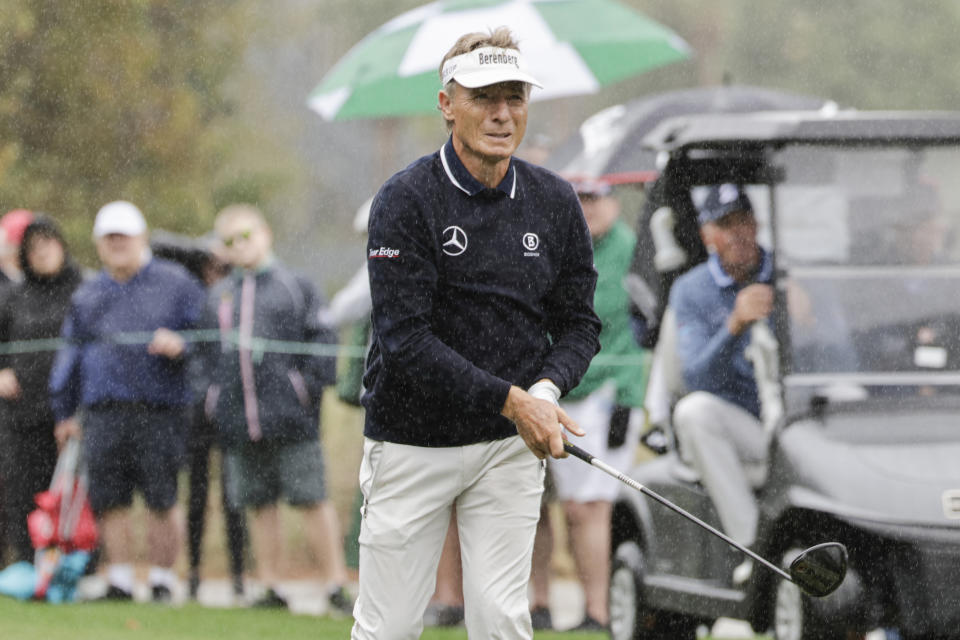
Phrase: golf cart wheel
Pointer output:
(630, 617)
(795, 617)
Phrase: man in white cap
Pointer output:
(133, 393)
(482, 280)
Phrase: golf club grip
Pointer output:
(574, 450)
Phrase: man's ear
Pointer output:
(706, 234)
(445, 104)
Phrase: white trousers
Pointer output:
(722, 440)
(408, 494)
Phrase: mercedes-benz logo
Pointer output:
(454, 241)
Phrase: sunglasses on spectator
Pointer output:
(229, 241)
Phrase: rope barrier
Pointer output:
(259, 345)
(194, 336)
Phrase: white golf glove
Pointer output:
(546, 390)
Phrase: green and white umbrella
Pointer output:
(571, 46)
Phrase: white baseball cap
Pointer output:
(120, 217)
(486, 66)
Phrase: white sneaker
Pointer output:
(743, 572)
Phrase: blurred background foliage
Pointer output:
(183, 106)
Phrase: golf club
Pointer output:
(818, 571)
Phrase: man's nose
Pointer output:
(499, 109)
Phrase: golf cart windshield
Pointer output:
(866, 245)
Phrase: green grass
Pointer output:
(124, 621)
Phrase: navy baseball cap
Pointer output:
(721, 200)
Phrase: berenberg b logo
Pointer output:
(531, 242)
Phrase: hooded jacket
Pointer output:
(258, 391)
(34, 309)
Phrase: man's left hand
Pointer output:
(539, 422)
(166, 343)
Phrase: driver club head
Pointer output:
(820, 570)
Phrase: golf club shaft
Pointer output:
(576, 451)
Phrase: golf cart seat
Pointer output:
(665, 387)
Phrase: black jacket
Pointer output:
(283, 393)
(32, 310)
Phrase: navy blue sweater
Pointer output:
(474, 289)
(94, 368)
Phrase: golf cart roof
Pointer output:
(816, 127)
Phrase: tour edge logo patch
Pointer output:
(531, 242)
(384, 252)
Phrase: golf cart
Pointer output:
(860, 386)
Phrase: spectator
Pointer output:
(482, 282)
(602, 404)
(266, 403)
(718, 422)
(204, 262)
(31, 310)
(132, 397)
(12, 225)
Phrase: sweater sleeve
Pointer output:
(571, 321)
(706, 355)
(403, 286)
(6, 317)
(65, 379)
(318, 370)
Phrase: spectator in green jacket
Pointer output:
(606, 404)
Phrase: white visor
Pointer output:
(486, 66)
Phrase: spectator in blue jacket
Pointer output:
(266, 401)
(123, 370)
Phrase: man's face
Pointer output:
(45, 255)
(488, 122)
(246, 242)
(600, 212)
(121, 253)
(734, 239)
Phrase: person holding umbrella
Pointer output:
(482, 281)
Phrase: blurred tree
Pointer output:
(117, 99)
(904, 55)
(184, 105)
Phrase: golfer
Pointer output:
(482, 282)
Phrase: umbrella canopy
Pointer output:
(607, 144)
(571, 46)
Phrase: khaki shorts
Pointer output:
(259, 474)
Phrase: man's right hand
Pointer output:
(539, 422)
(754, 302)
(66, 429)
